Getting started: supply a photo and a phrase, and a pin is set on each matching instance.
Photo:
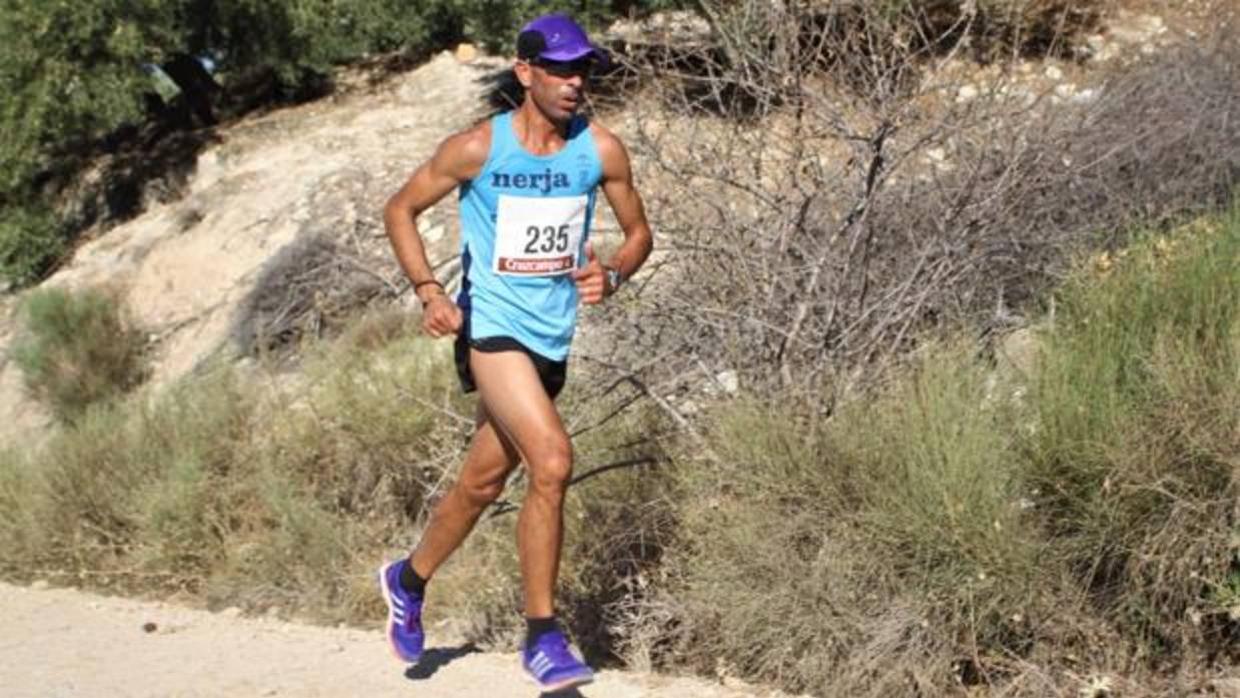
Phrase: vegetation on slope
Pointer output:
(968, 522)
(883, 502)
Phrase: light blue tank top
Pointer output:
(524, 222)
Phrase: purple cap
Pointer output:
(555, 37)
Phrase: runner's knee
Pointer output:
(551, 469)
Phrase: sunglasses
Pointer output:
(583, 67)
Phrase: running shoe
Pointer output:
(552, 665)
(404, 626)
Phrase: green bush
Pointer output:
(1134, 451)
(963, 525)
(895, 519)
(78, 349)
(31, 242)
(68, 71)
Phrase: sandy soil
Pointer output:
(62, 643)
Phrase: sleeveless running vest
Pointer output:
(524, 222)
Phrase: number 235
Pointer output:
(553, 239)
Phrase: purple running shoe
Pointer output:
(404, 626)
(552, 665)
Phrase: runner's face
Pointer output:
(558, 87)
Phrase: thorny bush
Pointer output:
(821, 210)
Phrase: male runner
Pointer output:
(527, 181)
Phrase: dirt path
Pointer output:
(62, 643)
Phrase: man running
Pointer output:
(527, 180)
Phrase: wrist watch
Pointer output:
(613, 278)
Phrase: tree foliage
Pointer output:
(72, 72)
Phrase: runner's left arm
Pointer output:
(626, 203)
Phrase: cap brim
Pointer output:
(572, 54)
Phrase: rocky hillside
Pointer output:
(188, 269)
(321, 170)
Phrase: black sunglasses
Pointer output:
(583, 67)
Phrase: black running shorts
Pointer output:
(552, 373)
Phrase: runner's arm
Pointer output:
(626, 203)
(459, 158)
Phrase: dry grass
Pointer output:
(77, 349)
(238, 488)
(961, 527)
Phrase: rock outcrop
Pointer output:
(323, 169)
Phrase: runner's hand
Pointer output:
(591, 279)
(440, 316)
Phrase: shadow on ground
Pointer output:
(436, 658)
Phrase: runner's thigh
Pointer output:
(515, 399)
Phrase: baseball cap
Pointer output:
(556, 37)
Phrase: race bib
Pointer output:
(538, 236)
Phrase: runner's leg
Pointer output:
(517, 403)
(491, 457)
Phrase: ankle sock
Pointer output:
(536, 627)
(411, 581)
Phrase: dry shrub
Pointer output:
(311, 289)
(133, 496)
(377, 328)
(829, 234)
(744, 57)
(1024, 27)
(376, 432)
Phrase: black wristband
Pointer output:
(428, 300)
(420, 284)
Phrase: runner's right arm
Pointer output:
(458, 159)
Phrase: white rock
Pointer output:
(729, 381)
(966, 93)
(1086, 96)
(1053, 72)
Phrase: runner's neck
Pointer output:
(537, 133)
